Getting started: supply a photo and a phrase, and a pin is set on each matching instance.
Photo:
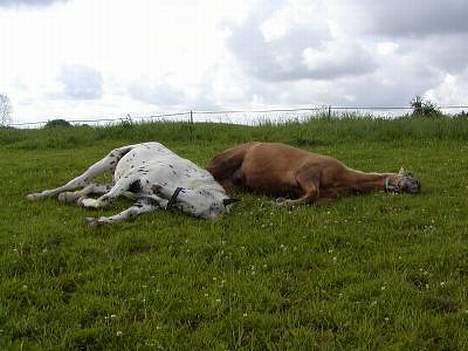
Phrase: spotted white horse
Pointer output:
(152, 175)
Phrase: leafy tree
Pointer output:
(5, 110)
(423, 107)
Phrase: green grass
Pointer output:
(378, 272)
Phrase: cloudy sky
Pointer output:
(105, 58)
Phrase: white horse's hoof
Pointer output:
(67, 196)
(91, 221)
(88, 203)
(33, 196)
(95, 222)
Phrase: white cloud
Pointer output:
(400, 18)
(28, 3)
(387, 47)
(157, 93)
(451, 91)
(294, 15)
(144, 40)
(335, 58)
(81, 82)
(99, 58)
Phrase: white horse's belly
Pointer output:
(153, 164)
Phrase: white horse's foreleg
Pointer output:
(108, 163)
(131, 212)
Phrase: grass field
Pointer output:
(376, 272)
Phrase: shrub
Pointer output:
(461, 114)
(58, 123)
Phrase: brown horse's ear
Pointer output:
(402, 172)
(229, 201)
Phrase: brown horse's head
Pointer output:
(403, 182)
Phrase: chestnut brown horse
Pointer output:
(300, 176)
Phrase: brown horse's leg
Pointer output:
(308, 181)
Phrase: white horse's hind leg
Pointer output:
(131, 212)
(93, 188)
(108, 163)
(120, 188)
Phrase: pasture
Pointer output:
(378, 272)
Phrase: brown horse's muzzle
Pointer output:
(409, 185)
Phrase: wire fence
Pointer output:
(248, 117)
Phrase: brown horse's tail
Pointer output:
(223, 166)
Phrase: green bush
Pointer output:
(58, 123)
(462, 114)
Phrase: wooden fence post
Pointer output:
(191, 125)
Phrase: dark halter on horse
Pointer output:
(390, 188)
(173, 198)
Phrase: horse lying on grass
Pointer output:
(302, 176)
(152, 175)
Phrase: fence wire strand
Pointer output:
(237, 116)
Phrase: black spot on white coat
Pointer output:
(135, 187)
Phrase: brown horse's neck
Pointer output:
(361, 182)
